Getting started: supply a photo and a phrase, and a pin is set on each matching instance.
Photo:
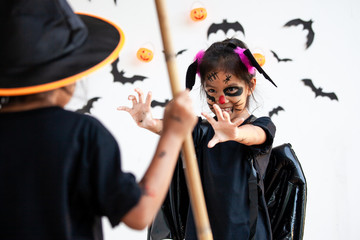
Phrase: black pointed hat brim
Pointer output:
(102, 46)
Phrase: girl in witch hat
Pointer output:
(225, 144)
(60, 171)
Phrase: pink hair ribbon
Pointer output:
(193, 69)
(244, 59)
(199, 56)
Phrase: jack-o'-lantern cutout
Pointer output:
(259, 58)
(145, 54)
(198, 14)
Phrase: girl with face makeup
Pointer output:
(224, 144)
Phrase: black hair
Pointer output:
(5, 101)
(220, 56)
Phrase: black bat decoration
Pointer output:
(225, 26)
(178, 53)
(86, 108)
(275, 111)
(319, 91)
(119, 76)
(280, 59)
(307, 25)
(155, 103)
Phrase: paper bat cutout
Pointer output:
(307, 25)
(275, 111)
(178, 53)
(86, 108)
(280, 59)
(225, 26)
(119, 76)
(319, 91)
(155, 103)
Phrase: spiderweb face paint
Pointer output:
(227, 79)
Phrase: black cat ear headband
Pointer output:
(245, 55)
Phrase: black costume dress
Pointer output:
(60, 172)
(224, 171)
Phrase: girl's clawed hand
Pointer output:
(225, 129)
(140, 111)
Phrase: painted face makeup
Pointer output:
(211, 98)
(228, 91)
(222, 99)
(233, 91)
(227, 79)
(239, 106)
(212, 76)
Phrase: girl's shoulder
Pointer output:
(263, 122)
(252, 118)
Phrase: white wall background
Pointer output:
(323, 132)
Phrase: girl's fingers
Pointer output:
(209, 118)
(123, 108)
(226, 116)
(218, 112)
(141, 94)
(133, 99)
(148, 99)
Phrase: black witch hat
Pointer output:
(45, 45)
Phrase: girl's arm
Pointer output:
(249, 134)
(141, 112)
(226, 130)
(179, 121)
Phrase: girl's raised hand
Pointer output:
(225, 129)
(140, 111)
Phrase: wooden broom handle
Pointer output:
(192, 175)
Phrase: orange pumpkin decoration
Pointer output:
(259, 58)
(198, 14)
(145, 54)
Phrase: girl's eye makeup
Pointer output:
(211, 98)
(233, 91)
